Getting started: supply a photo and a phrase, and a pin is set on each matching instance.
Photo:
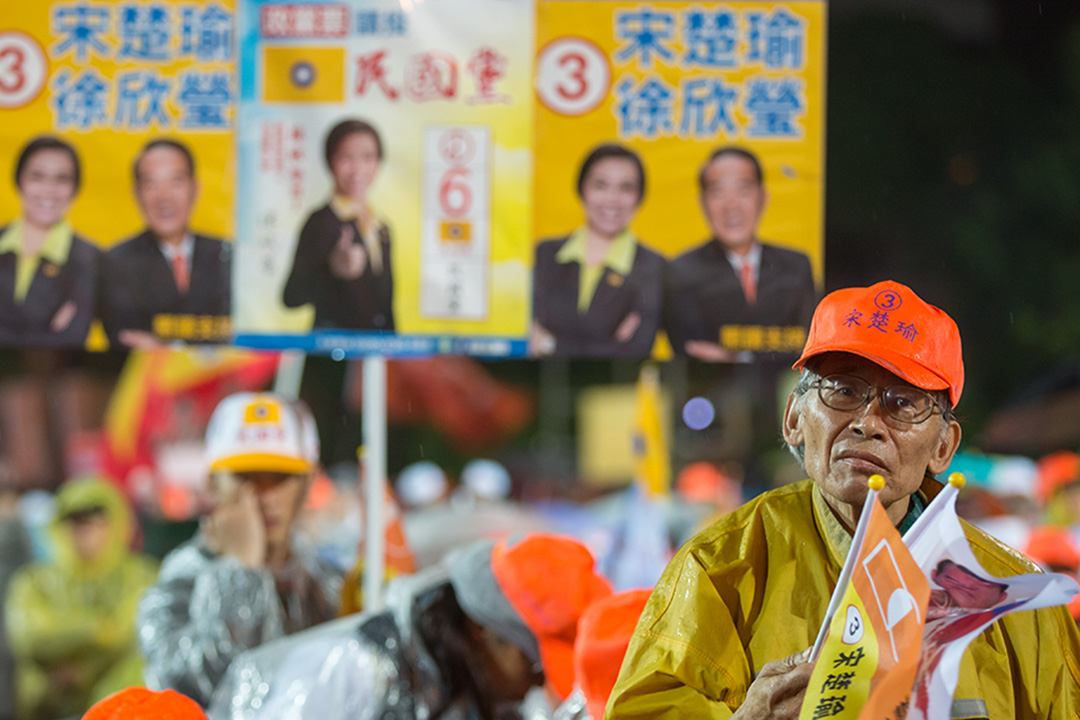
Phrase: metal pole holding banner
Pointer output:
(289, 373)
(374, 408)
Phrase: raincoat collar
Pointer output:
(838, 540)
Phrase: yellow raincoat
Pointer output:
(77, 620)
(754, 588)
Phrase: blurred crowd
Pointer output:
(494, 607)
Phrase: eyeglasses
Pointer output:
(901, 402)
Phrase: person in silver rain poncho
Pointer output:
(243, 580)
(488, 633)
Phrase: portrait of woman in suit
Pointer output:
(342, 260)
(48, 274)
(597, 291)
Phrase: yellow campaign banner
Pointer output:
(636, 98)
(385, 176)
(87, 231)
(868, 661)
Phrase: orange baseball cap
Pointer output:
(890, 325)
(139, 703)
(603, 636)
(549, 580)
(1056, 470)
(1053, 547)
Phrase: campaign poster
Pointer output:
(385, 176)
(679, 178)
(116, 173)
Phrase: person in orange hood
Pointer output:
(138, 703)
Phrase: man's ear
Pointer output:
(792, 425)
(947, 447)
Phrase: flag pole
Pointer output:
(289, 373)
(374, 430)
(875, 484)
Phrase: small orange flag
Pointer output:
(868, 661)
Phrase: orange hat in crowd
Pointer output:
(1054, 548)
(1056, 470)
(138, 703)
(550, 581)
(890, 325)
(603, 636)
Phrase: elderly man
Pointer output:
(725, 633)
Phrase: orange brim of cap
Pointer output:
(262, 462)
(900, 365)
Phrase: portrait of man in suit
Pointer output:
(735, 297)
(168, 282)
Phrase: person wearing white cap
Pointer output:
(243, 580)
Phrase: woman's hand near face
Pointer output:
(348, 259)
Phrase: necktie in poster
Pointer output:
(385, 176)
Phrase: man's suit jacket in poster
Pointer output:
(138, 284)
(704, 295)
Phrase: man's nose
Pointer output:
(870, 419)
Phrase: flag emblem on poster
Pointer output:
(303, 74)
(452, 231)
(869, 655)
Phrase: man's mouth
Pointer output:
(861, 460)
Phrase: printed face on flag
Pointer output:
(967, 589)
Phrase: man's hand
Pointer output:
(628, 327)
(778, 690)
(541, 342)
(709, 352)
(63, 317)
(348, 259)
(236, 528)
(139, 339)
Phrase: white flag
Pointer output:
(964, 599)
